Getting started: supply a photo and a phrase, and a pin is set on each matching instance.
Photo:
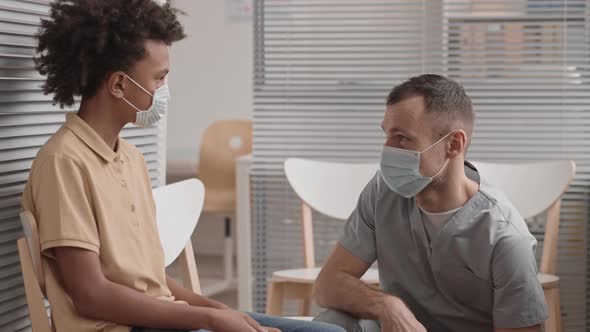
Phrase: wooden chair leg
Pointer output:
(275, 296)
(553, 323)
(305, 307)
(37, 311)
(188, 266)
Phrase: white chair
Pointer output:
(178, 207)
(333, 190)
(535, 188)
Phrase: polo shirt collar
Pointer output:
(91, 138)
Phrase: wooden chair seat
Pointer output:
(548, 281)
(308, 276)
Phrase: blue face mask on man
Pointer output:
(400, 170)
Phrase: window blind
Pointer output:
(324, 67)
(27, 120)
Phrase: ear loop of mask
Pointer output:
(141, 87)
(446, 162)
(435, 143)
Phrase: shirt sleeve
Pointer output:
(359, 231)
(518, 296)
(64, 209)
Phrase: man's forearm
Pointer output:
(351, 295)
(116, 303)
(183, 294)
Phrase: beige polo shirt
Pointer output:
(83, 194)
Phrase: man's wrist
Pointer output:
(391, 306)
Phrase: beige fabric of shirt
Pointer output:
(83, 194)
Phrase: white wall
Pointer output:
(210, 78)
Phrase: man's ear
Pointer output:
(116, 84)
(458, 143)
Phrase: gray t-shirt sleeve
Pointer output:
(359, 231)
(518, 296)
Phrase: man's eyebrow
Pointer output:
(395, 130)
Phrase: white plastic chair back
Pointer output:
(32, 235)
(328, 187)
(531, 187)
(178, 207)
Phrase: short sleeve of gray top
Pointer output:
(477, 274)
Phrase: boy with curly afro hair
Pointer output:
(89, 190)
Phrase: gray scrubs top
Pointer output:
(477, 274)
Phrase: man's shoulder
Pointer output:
(505, 220)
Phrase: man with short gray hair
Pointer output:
(453, 253)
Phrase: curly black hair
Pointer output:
(83, 41)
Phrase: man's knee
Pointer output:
(347, 322)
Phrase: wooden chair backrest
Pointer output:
(222, 144)
(34, 281)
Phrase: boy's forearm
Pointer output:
(122, 305)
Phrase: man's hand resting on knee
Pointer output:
(339, 287)
(397, 317)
